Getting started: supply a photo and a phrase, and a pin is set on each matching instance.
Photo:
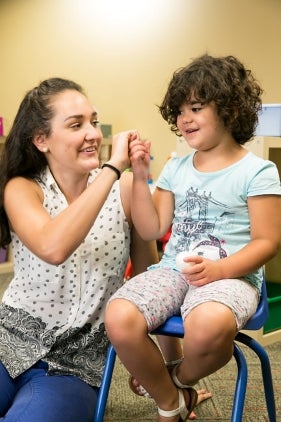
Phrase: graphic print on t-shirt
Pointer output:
(196, 228)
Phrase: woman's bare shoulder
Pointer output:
(22, 185)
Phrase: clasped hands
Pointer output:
(129, 147)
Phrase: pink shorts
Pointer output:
(160, 293)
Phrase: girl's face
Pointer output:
(75, 137)
(200, 125)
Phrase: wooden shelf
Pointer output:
(2, 141)
(105, 150)
(264, 338)
(269, 148)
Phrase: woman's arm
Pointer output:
(54, 239)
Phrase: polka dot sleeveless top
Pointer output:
(56, 312)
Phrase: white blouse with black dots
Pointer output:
(56, 312)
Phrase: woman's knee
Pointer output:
(53, 398)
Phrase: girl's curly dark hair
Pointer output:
(20, 157)
(221, 80)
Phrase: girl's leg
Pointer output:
(140, 355)
(171, 348)
(51, 399)
(142, 304)
(208, 344)
(213, 315)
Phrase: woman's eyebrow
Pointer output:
(80, 116)
(74, 116)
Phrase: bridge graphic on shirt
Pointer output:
(194, 223)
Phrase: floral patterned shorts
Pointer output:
(162, 292)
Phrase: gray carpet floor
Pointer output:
(124, 406)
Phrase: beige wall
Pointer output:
(124, 52)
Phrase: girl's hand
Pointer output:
(139, 152)
(201, 270)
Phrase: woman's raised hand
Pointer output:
(120, 149)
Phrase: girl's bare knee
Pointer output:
(122, 320)
(209, 327)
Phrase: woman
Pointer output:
(71, 231)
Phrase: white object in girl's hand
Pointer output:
(181, 264)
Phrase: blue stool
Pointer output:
(105, 384)
(174, 327)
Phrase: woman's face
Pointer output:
(75, 137)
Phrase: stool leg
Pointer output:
(105, 385)
(266, 372)
(241, 385)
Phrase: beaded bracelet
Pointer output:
(112, 168)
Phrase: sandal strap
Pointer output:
(173, 362)
(181, 410)
(140, 390)
(176, 380)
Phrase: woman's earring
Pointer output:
(45, 149)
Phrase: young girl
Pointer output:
(224, 206)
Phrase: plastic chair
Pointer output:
(174, 327)
(105, 384)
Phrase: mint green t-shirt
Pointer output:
(211, 214)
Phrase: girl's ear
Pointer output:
(40, 142)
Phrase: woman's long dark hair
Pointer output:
(20, 157)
